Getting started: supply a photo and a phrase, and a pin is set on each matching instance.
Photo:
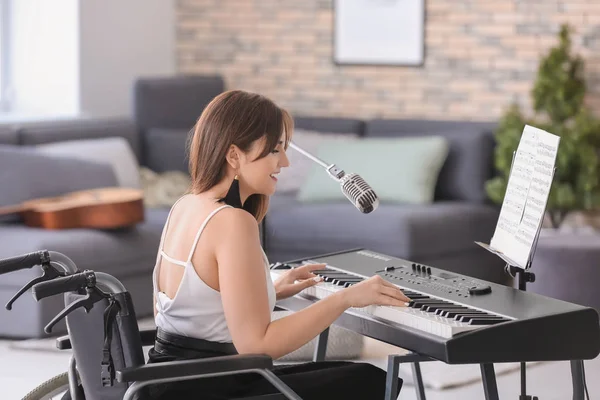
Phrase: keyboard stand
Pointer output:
(391, 382)
(488, 376)
(393, 368)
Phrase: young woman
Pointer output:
(213, 293)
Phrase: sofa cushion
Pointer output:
(113, 151)
(470, 159)
(121, 252)
(173, 102)
(27, 174)
(400, 170)
(409, 231)
(166, 149)
(8, 135)
(58, 131)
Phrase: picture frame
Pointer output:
(379, 32)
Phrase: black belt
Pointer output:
(187, 347)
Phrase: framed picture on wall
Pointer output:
(383, 32)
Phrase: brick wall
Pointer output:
(480, 55)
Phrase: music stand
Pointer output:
(526, 276)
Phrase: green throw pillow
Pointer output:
(400, 170)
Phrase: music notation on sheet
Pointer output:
(526, 194)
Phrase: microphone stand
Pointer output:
(334, 172)
(331, 169)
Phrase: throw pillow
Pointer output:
(163, 190)
(115, 151)
(400, 170)
(342, 344)
(27, 174)
(290, 179)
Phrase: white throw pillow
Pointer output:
(163, 189)
(293, 177)
(115, 151)
(342, 344)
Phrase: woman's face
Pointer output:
(260, 175)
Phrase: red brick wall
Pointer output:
(480, 54)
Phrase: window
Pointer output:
(4, 54)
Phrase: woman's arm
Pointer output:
(243, 287)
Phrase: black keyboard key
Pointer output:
(469, 318)
(464, 315)
(487, 321)
(451, 312)
(343, 281)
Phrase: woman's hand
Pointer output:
(297, 279)
(374, 291)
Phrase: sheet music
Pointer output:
(526, 195)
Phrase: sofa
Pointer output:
(440, 234)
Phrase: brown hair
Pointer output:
(240, 118)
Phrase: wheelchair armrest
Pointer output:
(63, 342)
(147, 336)
(204, 366)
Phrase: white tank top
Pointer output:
(196, 310)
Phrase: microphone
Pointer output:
(353, 186)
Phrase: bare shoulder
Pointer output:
(234, 224)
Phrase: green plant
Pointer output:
(558, 101)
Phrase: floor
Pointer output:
(22, 370)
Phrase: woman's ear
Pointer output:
(233, 156)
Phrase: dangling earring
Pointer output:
(233, 194)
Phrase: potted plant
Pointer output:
(558, 103)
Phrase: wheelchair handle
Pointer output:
(53, 263)
(24, 261)
(65, 284)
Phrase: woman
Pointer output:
(213, 291)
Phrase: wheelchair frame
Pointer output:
(57, 265)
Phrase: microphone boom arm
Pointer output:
(331, 169)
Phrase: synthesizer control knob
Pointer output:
(483, 289)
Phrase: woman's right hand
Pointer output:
(374, 291)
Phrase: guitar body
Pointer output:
(106, 208)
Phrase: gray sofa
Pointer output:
(440, 234)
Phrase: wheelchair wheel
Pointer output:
(50, 389)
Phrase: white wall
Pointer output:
(81, 57)
(121, 40)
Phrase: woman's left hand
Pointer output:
(296, 280)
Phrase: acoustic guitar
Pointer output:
(105, 208)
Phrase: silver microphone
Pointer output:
(353, 186)
(360, 193)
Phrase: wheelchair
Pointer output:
(107, 359)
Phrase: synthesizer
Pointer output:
(457, 318)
